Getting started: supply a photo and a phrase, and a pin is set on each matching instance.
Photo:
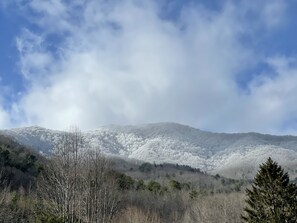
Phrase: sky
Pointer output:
(220, 65)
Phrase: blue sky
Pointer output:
(216, 65)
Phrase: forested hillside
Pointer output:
(19, 165)
(230, 155)
(79, 184)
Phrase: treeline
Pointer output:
(190, 177)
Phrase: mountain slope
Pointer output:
(19, 166)
(233, 155)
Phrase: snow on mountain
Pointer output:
(233, 155)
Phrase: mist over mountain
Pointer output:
(232, 155)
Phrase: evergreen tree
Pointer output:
(272, 198)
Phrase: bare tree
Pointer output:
(102, 198)
(136, 215)
(76, 186)
(216, 208)
(4, 192)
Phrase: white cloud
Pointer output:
(274, 98)
(4, 119)
(35, 61)
(119, 62)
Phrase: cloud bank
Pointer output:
(94, 63)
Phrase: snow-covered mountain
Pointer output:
(233, 155)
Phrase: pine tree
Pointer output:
(272, 198)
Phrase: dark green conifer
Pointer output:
(272, 198)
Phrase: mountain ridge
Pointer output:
(230, 154)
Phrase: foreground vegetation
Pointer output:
(77, 184)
